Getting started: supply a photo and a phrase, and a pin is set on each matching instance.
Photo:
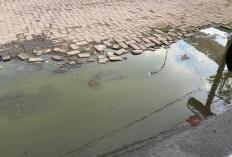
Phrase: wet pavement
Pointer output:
(58, 114)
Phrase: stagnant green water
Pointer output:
(53, 115)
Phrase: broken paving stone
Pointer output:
(146, 40)
(23, 56)
(58, 58)
(59, 50)
(134, 46)
(123, 45)
(107, 43)
(120, 52)
(189, 35)
(94, 83)
(143, 47)
(154, 40)
(116, 47)
(38, 52)
(98, 48)
(109, 54)
(6, 58)
(72, 53)
(149, 45)
(137, 52)
(73, 58)
(81, 43)
(84, 55)
(74, 46)
(103, 61)
(48, 50)
(36, 60)
(115, 58)
(169, 38)
(130, 42)
(101, 57)
(165, 42)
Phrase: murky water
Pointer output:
(54, 115)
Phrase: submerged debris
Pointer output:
(94, 83)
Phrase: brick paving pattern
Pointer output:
(85, 21)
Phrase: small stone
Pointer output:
(94, 83)
(23, 56)
(115, 58)
(36, 59)
(84, 55)
(137, 52)
(71, 53)
(0, 67)
(120, 52)
(58, 58)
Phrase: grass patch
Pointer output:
(230, 23)
(165, 29)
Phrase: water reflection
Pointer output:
(221, 88)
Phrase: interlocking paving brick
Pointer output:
(83, 22)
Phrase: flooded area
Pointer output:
(57, 115)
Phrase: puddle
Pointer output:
(42, 114)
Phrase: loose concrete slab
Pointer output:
(36, 59)
(115, 58)
(23, 56)
(84, 55)
(120, 52)
(58, 58)
(72, 53)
